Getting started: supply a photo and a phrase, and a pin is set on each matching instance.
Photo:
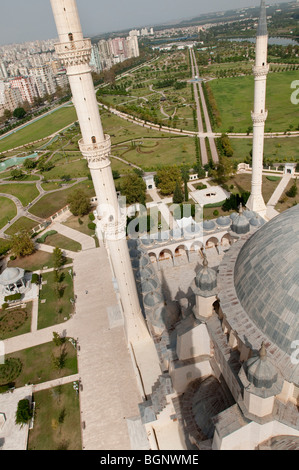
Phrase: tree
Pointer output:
(29, 164)
(292, 192)
(16, 174)
(79, 203)
(19, 113)
(178, 196)
(7, 114)
(22, 244)
(224, 170)
(58, 258)
(58, 340)
(167, 177)
(24, 412)
(134, 189)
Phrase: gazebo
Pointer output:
(13, 281)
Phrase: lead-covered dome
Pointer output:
(267, 279)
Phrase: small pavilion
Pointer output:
(12, 281)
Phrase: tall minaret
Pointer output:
(259, 115)
(75, 52)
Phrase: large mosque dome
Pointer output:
(266, 279)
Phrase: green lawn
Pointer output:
(234, 97)
(24, 192)
(35, 262)
(51, 431)
(23, 223)
(37, 365)
(53, 202)
(277, 149)
(153, 153)
(40, 129)
(15, 322)
(63, 242)
(242, 182)
(8, 211)
(57, 306)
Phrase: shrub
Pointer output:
(216, 213)
(92, 226)
(35, 278)
(43, 238)
(10, 298)
(24, 412)
(91, 217)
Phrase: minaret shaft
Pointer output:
(259, 115)
(75, 51)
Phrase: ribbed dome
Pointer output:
(11, 275)
(267, 279)
(260, 371)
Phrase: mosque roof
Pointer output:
(267, 278)
(258, 289)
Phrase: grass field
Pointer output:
(275, 149)
(15, 322)
(53, 202)
(63, 242)
(37, 367)
(57, 306)
(35, 262)
(153, 153)
(24, 192)
(242, 182)
(40, 129)
(8, 211)
(23, 223)
(234, 97)
(57, 424)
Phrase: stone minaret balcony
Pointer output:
(258, 118)
(74, 52)
(261, 71)
(96, 151)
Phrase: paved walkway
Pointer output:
(271, 211)
(85, 241)
(109, 396)
(161, 204)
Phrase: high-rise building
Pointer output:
(95, 61)
(26, 88)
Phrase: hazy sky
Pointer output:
(28, 20)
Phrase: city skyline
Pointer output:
(25, 28)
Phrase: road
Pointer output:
(200, 101)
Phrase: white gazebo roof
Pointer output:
(11, 276)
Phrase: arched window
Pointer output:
(71, 37)
(93, 140)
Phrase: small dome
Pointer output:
(209, 225)
(193, 229)
(223, 221)
(249, 214)
(260, 371)
(206, 278)
(148, 285)
(233, 215)
(241, 223)
(11, 275)
(144, 273)
(176, 233)
(152, 299)
(255, 222)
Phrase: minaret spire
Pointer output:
(259, 115)
(75, 51)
